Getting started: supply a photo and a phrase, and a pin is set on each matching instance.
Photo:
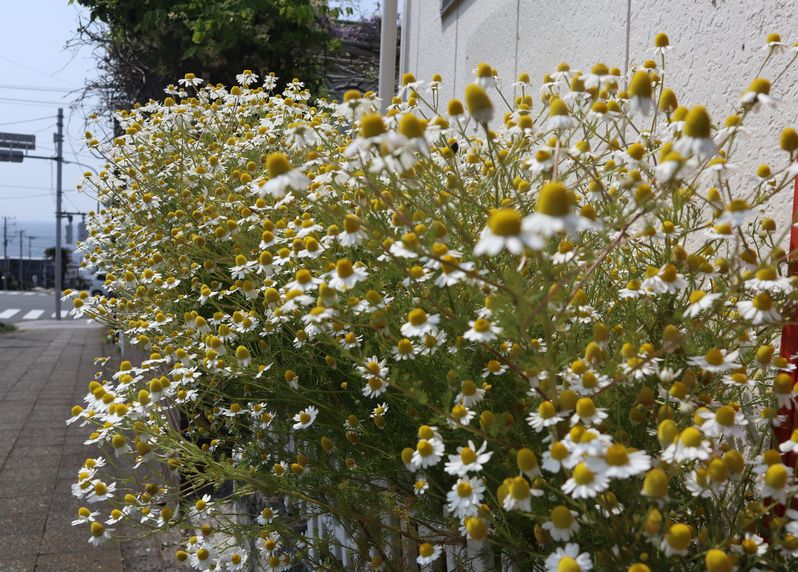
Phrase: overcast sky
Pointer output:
(37, 74)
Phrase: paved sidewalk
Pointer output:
(45, 369)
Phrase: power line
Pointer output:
(30, 101)
(35, 70)
(34, 88)
(27, 120)
(2, 198)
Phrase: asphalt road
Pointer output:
(16, 306)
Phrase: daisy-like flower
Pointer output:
(758, 96)
(553, 213)
(494, 367)
(375, 386)
(419, 323)
(486, 75)
(519, 495)
(689, 446)
(282, 177)
(775, 483)
(420, 487)
(562, 524)
(569, 559)
(751, 545)
(404, 350)
(699, 302)
(346, 275)
(545, 416)
(677, 540)
(465, 497)
(468, 459)
(504, 232)
(716, 360)
(634, 289)
(470, 395)
(99, 533)
(666, 281)
(481, 330)
(190, 80)
(478, 104)
(352, 235)
(696, 140)
(587, 413)
(662, 44)
(759, 310)
(428, 553)
(767, 279)
(559, 116)
(641, 94)
(585, 483)
(619, 462)
(773, 43)
(791, 444)
(428, 453)
(305, 418)
(725, 421)
(558, 457)
(247, 77)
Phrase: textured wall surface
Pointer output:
(717, 51)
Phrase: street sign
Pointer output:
(11, 156)
(17, 141)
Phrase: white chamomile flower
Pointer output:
(504, 232)
(568, 559)
(759, 310)
(562, 524)
(481, 330)
(465, 497)
(468, 459)
(585, 483)
(428, 553)
(305, 418)
(419, 323)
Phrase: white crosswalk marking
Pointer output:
(8, 314)
(33, 315)
(28, 293)
(12, 293)
(63, 314)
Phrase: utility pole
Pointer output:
(5, 253)
(59, 148)
(21, 243)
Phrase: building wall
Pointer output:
(716, 50)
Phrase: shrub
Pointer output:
(551, 338)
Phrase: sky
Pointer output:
(38, 74)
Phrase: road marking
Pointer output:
(11, 293)
(29, 293)
(7, 314)
(33, 315)
(63, 314)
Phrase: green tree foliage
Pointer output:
(147, 44)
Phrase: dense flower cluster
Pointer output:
(543, 338)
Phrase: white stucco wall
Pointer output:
(716, 50)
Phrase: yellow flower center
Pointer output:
(697, 123)
(464, 489)
(617, 455)
(679, 536)
(691, 437)
(554, 199)
(583, 475)
(558, 451)
(568, 564)
(714, 357)
(468, 388)
(468, 455)
(425, 448)
(519, 488)
(547, 410)
(344, 268)
(561, 517)
(417, 317)
(558, 107)
(481, 325)
(725, 415)
(763, 301)
(405, 346)
(426, 550)
(776, 476)
(505, 222)
(371, 125)
(277, 164)
(585, 407)
(304, 417)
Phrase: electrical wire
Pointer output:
(27, 120)
(34, 88)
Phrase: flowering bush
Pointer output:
(548, 343)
